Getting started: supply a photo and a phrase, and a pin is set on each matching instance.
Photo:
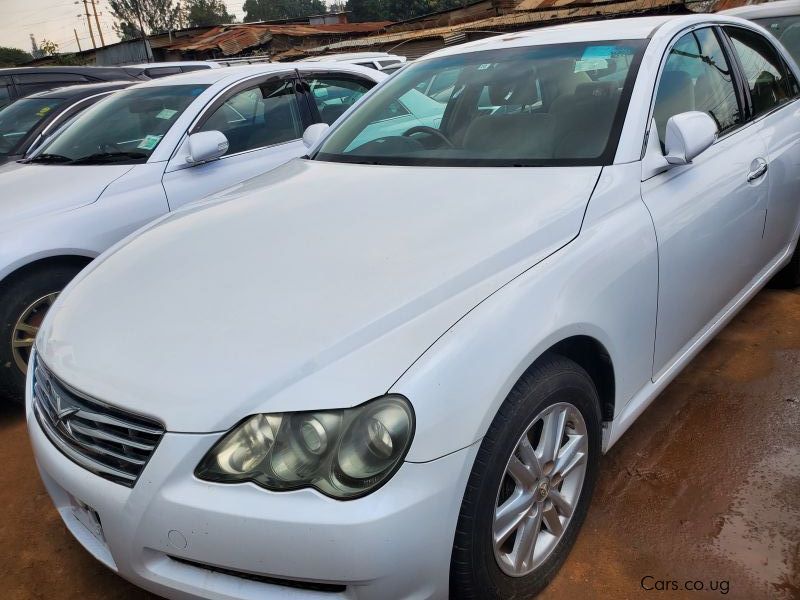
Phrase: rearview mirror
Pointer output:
(313, 133)
(206, 145)
(688, 135)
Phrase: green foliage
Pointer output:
(270, 10)
(10, 57)
(200, 13)
(157, 16)
(48, 48)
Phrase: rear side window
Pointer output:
(787, 30)
(30, 83)
(764, 71)
(156, 72)
(334, 94)
(697, 76)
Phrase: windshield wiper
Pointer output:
(105, 157)
(51, 158)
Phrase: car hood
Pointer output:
(335, 274)
(31, 190)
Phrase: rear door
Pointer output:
(708, 217)
(773, 97)
(263, 120)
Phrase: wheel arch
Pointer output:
(33, 263)
(591, 355)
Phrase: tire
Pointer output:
(789, 276)
(479, 568)
(35, 289)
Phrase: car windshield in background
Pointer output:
(539, 105)
(787, 30)
(125, 128)
(18, 119)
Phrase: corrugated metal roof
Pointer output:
(561, 10)
(233, 39)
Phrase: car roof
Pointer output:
(780, 8)
(203, 64)
(99, 72)
(212, 76)
(630, 28)
(83, 89)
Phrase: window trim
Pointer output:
(751, 117)
(735, 72)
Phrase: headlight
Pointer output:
(342, 453)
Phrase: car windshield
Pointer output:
(18, 119)
(124, 128)
(536, 105)
(787, 30)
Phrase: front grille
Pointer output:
(107, 441)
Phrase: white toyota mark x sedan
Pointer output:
(389, 369)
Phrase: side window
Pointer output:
(30, 83)
(763, 69)
(697, 76)
(259, 116)
(5, 92)
(156, 72)
(334, 94)
(787, 30)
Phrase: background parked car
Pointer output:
(29, 121)
(165, 69)
(18, 82)
(781, 19)
(382, 61)
(142, 152)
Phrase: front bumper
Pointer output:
(394, 543)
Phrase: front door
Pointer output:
(263, 122)
(709, 219)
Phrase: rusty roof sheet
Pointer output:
(565, 10)
(234, 39)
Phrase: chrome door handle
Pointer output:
(758, 173)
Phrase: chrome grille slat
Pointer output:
(105, 440)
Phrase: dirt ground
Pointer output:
(702, 492)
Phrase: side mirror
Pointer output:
(206, 145)
(688, 135)
(313, 134)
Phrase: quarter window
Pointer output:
(260, 116)
(763, 69)
(697, 76)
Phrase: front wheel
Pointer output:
(530, 486)
(24, 302)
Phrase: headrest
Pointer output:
(513, 87)
(595, 89)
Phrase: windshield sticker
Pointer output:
(43, 111)
(595, 58)
(166, 113)
(149, 142)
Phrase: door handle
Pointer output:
(759, 171)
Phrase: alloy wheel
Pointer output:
(27, 326)
(540, 489)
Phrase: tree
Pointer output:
(200, 13)
(271, 10)
(48, 48)
(10, 57)
(157, 16)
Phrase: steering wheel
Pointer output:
(431, 130)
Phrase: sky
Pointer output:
(54, 20)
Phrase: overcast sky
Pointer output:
(54, 20)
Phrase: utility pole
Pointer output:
(97, 22)
(88, 21)
(77, 41)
